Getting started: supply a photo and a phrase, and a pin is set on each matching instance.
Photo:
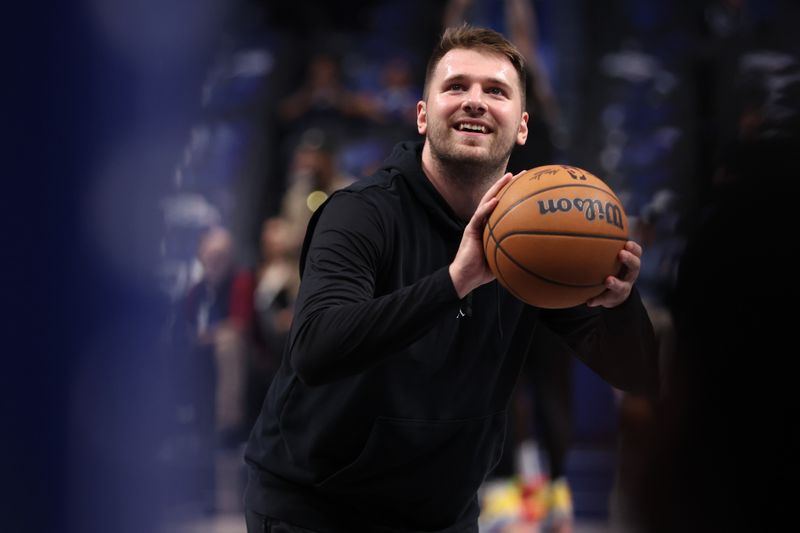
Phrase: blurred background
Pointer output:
(165, 156)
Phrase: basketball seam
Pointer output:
(497, 268)
(559, 234)
(532, 273)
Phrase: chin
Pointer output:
(479, 156)
(484, 155)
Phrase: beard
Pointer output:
(465, 164)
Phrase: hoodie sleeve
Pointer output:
(340, 327)
(618, 343)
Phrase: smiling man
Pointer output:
(389, 408)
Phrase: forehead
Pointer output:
(476, 63)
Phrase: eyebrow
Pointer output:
(490, 81)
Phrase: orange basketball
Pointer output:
(555, 236)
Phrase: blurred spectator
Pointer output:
(392, 104)
(214, 325)
(313, 175)
(383, 113)
(322, 100)
(275, 293)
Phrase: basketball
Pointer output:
(555, 236)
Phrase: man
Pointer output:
(389, 408)
(210, 334)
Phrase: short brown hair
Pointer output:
(475, 38)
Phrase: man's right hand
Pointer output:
(469, 269)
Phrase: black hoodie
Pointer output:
(390, 405)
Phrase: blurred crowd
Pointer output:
(689, 110)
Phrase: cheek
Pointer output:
(444, 105)
(511, 119)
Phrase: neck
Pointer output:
(461, 184)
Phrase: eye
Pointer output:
(497, 91)
(456, 87)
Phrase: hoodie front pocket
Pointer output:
(423, 473)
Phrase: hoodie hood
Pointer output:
(406, 160)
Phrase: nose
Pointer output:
(473, 101)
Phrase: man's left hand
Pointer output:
(618, 290)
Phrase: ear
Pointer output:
(422, 118)
(522, 133)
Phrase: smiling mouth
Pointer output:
(471, 128)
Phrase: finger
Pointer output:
(494, 189)
(630, 260)
(518, 174)
(482, 214)
(610, 297)
(598, 300)
(632, 265)
(488, 203)
(602, 298)
(618, 286)
(634, 248)
(618, 291)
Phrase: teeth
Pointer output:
(471, 127)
